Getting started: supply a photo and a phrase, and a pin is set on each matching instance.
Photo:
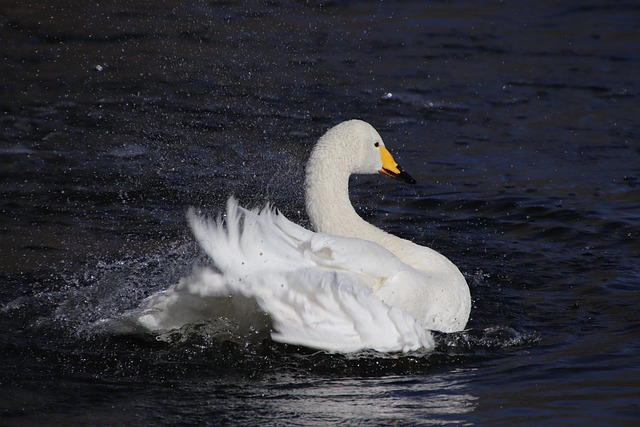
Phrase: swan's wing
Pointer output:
(249, 239)
(372, 263)
(205, 296)
(266, 240)
(330, 310)
(316, 289)
(316, 308)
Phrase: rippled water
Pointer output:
(519, 120)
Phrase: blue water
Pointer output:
(519, 120)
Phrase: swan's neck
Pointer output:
(329, 207)
(327, 201)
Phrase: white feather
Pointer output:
(348, 287)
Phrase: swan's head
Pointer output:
(348, 148)
(360, 149)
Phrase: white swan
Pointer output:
(346, 287)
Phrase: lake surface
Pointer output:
(520, 121)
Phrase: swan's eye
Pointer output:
(377, 144)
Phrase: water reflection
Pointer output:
(366, 401)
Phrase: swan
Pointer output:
(345, 287)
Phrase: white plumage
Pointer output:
(346, 287)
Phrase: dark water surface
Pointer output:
(520, 121)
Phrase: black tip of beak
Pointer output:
(402, 176)
(406, 177)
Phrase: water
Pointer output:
(519, 120)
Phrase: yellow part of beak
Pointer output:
(392, 169)
(388, 163)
